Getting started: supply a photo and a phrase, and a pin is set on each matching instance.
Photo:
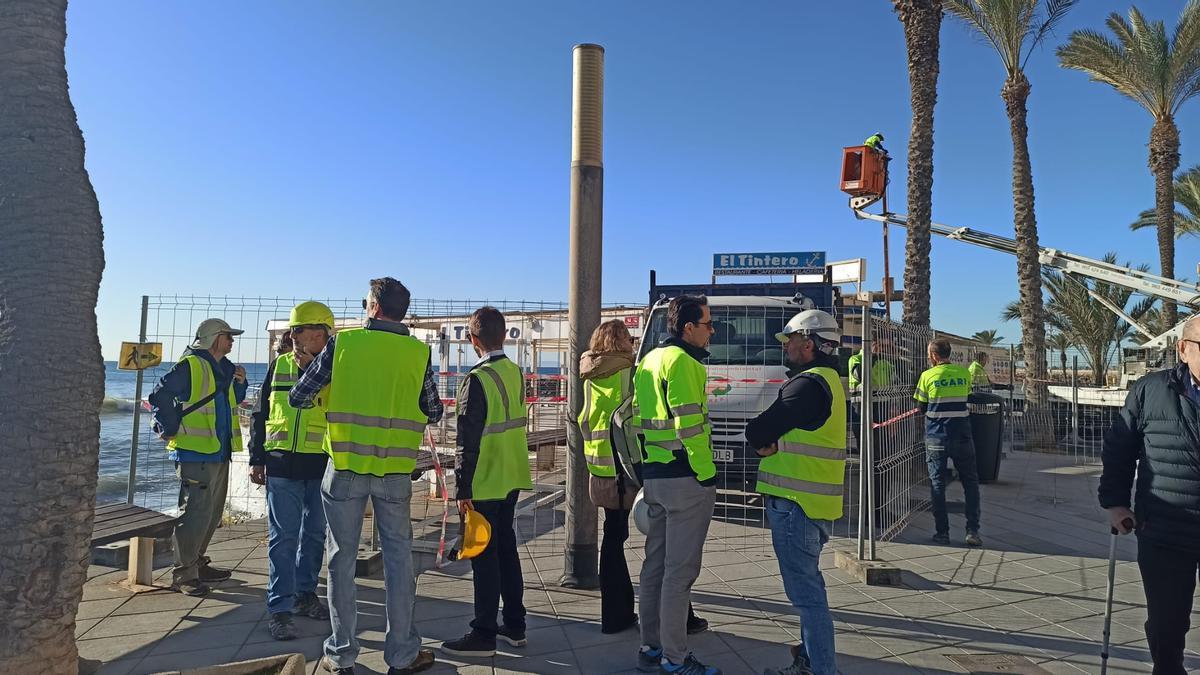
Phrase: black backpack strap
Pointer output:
(198, 404)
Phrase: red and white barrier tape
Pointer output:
(440, 474)
(897, 418)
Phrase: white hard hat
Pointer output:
(641, 514)
(812, 322)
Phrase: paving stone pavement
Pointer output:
(1036, 589)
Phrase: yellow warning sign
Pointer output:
(140, 355)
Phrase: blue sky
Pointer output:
(298, 149)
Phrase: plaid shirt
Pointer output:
(320, 372)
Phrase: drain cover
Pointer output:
(997, 663)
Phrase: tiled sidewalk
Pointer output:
(1036, 590)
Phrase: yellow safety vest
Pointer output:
(979, 375)
(290, 429)
(601, 396)
(810, 467)
(198, 429)
(503, 464)
(682, 429)
(374, 416)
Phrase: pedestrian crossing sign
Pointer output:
(140, 355)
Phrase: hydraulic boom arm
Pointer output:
(1140, 282)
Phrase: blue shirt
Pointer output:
(176, 386)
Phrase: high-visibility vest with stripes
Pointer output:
(979, 375)
(198, 429)
(944, 389)
(374, 416)
(677, 432)
(873, 141)
(601, 396)
(810, 467)
(881, 372)
(503, 464)
(290, 429)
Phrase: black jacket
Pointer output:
(1157, 436)
(804, 402)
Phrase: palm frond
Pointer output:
(1056, 11)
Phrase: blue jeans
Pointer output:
(345, 497)
(798, 540)
(958, 446)
(296, 542)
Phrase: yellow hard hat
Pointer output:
(476, 533)
(311, 313)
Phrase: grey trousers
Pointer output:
(202, 489)
(680, 510)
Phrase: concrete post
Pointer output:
(580, 559)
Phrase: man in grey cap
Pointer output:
(195, 413)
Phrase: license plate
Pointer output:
(722, 455)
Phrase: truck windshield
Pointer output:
(742, 335)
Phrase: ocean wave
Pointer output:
(113, 404)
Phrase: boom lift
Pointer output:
(864, 192)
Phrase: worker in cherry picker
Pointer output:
(875, 142)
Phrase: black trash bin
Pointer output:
(987, 430)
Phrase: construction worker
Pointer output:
(195, 412)
(381, 395)
(491, 468)
(802, 440)
(287, 455)
(978, 370)
(671, 409)
(882, 370)
(875, 142)
(941, 395)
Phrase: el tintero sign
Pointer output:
(803, 263)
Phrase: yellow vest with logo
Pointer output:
(810, 467)
(503, 464)
(374, 417)
(672, 432)
(289, 429)
(198, 429)
(601, 396)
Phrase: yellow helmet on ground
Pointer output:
(311, 313)
(476, 533)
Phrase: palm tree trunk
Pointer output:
(922, 20)
(1164, 160)
(52, 375)
(1029, 270)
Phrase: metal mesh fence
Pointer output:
(536, 341)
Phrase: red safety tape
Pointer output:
(747, 380)
(897, 418)
(440, 474)
(532, 376)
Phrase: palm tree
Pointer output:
(52, 378)
(987, 337)
(1187, 195)
(1015, 28)
(1084, 321)
(1160, 73)
(1060, 341)
(922, 20)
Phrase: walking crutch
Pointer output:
(1112, 574)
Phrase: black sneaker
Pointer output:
(471, 644)
(649, 659)
(942, 538)
(512, 636)
(798, 666)
(307, 605)
(973, 539)
(424, 661)
(194, 588)
(696, 625)
(281, 626)
(210, 573)
(328, 665)
(690, 666)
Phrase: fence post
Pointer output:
(137, 411)
(1075, 406)
(866, 521)
(1012, 388)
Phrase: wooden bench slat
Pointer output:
(111, 512)
(155, 530)
(133, 522)
(115, 522)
